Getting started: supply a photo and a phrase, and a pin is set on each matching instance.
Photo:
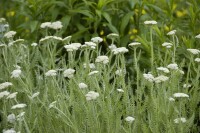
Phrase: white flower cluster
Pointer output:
(91, 65)
(112, 46)
(72, 47)
(15, 42)
(34, 95)
(167, 45)
(113, 35)
(173, 32)
(197, 60)
(171, 99)
(197, 36)
(173, 66)
(19, 106)
(163, 69)
(120, 50)
(160, 79)
(178, 120)
(179, 95)
(51, 73)
(82, 86)
(4, 93)
(34, 44)
(187, 85)
(48, 38)
(102, 59)
(149, 77)
(133, 44)
(12, 95)
(150, 22)
(91, 95)
(5, 85)
(54, 25)
(129, 119)
(120, 90)
(97, 39)
(10, 34)
(91, 45)
(69, 73)
(11, 118)
(16, 73)
(67, 39)
(194, 51)
(120, 72)
(93, 72)
(9, 131)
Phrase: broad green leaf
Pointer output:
(125, 21)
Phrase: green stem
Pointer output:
(152, 53)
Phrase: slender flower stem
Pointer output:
(174, 50)
(151, 43)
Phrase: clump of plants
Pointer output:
(57, 85)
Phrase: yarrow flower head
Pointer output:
(198, 36)
(91, 65)
(197, 60)
(134, 44)
(91, 45)
(18, 106)
(167, 44)
(50, 38)
(187, 85)
(34, 44)
(97, 39)
(120, 50)
(112, 35)
(149, 77)
(67, 39)
(53, 104)
(45, 25)
(5, 85)
(11, 118)
(163, 69)
(173, 66)
(18, 41)
(16, 73)
(10, 34)
(12, 95)
(120, 90)
(178, 95)
(91, 95)
(180, 120)
(129, 119)
(4, 93)
(9, 131)
(160, 79)
(120, 72)
(34, 95)
(173, 32)
(51, 73)
(102, 59)
(194, 51)
(150, 22)
(93, 72)
(171, 99)
(112, 47)
(82, 86)
(54, 25)
(72, 46)
(69, 73)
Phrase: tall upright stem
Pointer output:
(152, 54)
